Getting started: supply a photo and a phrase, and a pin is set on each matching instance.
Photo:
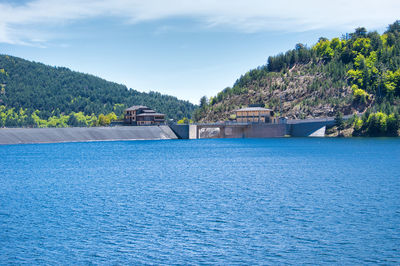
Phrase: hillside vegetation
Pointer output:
(357, 73)
(34, 94)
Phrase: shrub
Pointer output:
(360, 95)
(377, 124)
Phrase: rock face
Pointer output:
(81, 134)
(304, 91)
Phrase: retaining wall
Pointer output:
(306, 129)
(181, 131)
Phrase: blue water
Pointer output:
(243, 201)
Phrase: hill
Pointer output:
(34, 94)
(357, 73)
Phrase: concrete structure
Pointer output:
(82, 134)
(293, 128)
(255, 115)
(142, 115)
(180, 130)
(193, 132)
(236, 130)
(309, 127)
(228, 130)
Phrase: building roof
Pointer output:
(136, 107)
(149, 111)
(248, 109)
(151, 114)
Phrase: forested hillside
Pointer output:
(34, 94)
(357, 73)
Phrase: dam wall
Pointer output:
(181, 131)
(309, 128)
(211, 131)
(265, 131)
(294, 128)
(81, 134)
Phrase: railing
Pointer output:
(227, 123)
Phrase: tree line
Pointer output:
(11, 117)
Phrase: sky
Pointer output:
(187, 49)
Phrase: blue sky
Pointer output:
(183, 48)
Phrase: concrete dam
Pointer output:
(82, 134)
(293, 128)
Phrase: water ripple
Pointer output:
(273, 201)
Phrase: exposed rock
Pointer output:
(293, 95)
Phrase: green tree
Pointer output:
(203, 102)
(103, 120)
(359, 33)
(185, 120)
(394, 28)
(339, 122)
(377, 124)
(393, 124)
(73, 121)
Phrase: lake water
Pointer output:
(242, 201)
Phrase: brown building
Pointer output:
(255, 115)
(143, 115)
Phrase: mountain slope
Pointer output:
(359, 72)
(57, 90)
(304, 91)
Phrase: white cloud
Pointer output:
(21, 24)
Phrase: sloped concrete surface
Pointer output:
(78, 134)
